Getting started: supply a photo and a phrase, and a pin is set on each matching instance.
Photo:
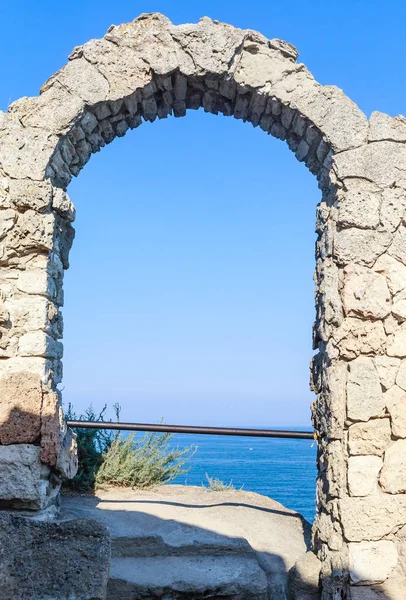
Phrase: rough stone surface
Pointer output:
(229, 544)
(364, 394)
(372, 562)
(393, 475)
(41, 561)
(304, 578)
(363, 475)
(26, 486)
(20, 408)
(369, 438)
(150, 69)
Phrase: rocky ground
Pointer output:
(178, 542)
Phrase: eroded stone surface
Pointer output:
(393, 475)
(372, 562)
(20, 408)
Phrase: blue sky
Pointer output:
(190, 293)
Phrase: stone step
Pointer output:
(229, 577)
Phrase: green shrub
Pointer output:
(142, 463)
(216, 485)
(108, 458)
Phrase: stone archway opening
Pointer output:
(149, 69)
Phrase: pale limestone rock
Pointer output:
(399, 310)
(38, 343)
(23, 479)
(369, 438)
(363, 475)
(395, 400)
(356, 336)
(362, 246)
(63, 205)
(359, 207)
(393, 475)
(372, 562)
(401, 375)
(395, 273)
(372, 517)
(397, 249)
(387, 367)
(8, 218)
(381, 162)
(397, 342)
(384, 127)
(364, 395)
(26, 194)
(35, 282)
(392, 208)
(365, 293)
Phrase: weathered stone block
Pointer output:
(387, 367)
(393, 475)
(24, 480)
(372, 562)
(20, 408)
(372, 517)
(365, 293)
(53, 560)
(364, 395)
(395, 401)
(363, 475)
(368, 438)
(397, 342)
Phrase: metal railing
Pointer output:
(162, 428)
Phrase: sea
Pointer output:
(282, 469)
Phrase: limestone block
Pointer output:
(382, 162)
(392, 210)
(38, 343)
(384, 127)
(401, 375)
(387, 367)
(365, 293)
(356, 336)
(36, 282)
(372, 517)
(397, 342)
(53, 560)
(395, 273)
(372, 562)
(30, 313)
(369, 438)
(395, 400)
(364, 395)
(359, 207)
(397, 248)
(393, 475)
(363, 475)
(8, 218)
(63, 205)
(23, 479)
(34, 195)
(362, 246)
(20, 408)
(399, 310)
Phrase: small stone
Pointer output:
(368, 438)
(395, 401)
(372, 562)
(397, 342)
(401, 375)
(387, 367)
(399, 309)
(394, 271)
(393, 475)
(364, 395)
(363, 475)
(20, 408)
(365, 293)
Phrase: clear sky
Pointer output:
(190, 293)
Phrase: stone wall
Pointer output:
(150, 69)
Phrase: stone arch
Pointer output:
(150, 69)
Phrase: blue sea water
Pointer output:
(282, 469)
